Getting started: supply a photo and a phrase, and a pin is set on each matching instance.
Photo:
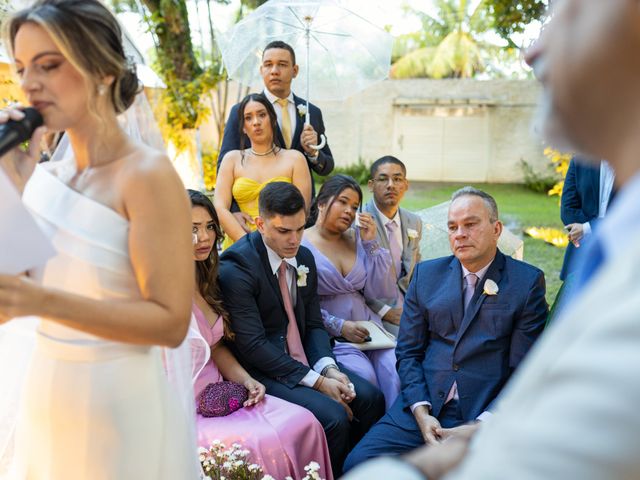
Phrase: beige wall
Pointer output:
(477, 130)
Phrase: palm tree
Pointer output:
(449, 44)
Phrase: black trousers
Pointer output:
(342, 435)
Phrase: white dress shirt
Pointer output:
(275, 260)
(607, 177)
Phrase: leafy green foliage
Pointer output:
(189, 75)
(449, 44)
(359, 171)
(539, 181)
(511, 17)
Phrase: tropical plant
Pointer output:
(449, 44)
(560, 162)
(452, 43)
(511, 17)
(190, 72)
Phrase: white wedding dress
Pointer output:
(93, 408)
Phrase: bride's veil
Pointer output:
(17, 337)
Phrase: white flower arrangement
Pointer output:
(302, 109)
(218, 462)
(231, 464)
(412, 234)
(312, 470)
(490, 287)
(302, 270)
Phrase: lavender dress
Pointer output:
(281, 436)
(343, 298)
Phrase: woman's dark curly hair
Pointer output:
(330, 190)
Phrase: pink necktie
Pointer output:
(471, 280)
(294, 343)
(394, 248)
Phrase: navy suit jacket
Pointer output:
(258, 318)
(324, 163)
(580, 202)
(438, 345)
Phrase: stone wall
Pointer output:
(367, 126)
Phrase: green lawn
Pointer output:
(519, 208)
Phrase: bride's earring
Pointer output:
(102, 89)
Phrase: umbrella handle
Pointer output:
(320, 146)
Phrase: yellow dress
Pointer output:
(245, 192)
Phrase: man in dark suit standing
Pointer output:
(398, 230)
(269, 286)
(468, 321)
(586, 195)
(278, 69)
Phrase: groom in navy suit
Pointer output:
(269, 285)
(468, 321)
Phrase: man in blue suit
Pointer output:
(468, 321)
(586, 195)
(278, 69)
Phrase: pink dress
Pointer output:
(282, 437)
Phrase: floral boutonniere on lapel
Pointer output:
(302, 270)
(490, 287)
(412, 234)
(302, 109)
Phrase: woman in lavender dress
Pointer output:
(352, 268)
(282, 437)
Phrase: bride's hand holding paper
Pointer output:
(22, 244)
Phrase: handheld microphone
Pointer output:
(14, 132)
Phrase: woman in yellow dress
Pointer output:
(244, 173)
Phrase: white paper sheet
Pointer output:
(22, 244)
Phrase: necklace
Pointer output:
(264, 154)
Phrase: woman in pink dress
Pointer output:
(282, 437)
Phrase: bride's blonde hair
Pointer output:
(90, 38)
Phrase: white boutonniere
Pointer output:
(302, 270)
(302, 109)
(411, 233)
(490, 287)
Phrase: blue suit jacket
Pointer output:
(252, 297)
(438, 345)
(580, 202)
(324, 165)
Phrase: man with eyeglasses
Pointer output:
(468, 321)
(399, 231)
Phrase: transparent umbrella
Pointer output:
(339, 52)
(435, 239)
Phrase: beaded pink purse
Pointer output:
(221, 399)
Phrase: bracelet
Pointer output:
(321, 379)
(327, 368)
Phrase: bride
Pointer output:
(96, 402)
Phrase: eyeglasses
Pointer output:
(396, 179)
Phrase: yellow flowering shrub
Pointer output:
(553, 236)
(209, 166)
(561, 165)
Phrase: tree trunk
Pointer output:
(171, 22)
